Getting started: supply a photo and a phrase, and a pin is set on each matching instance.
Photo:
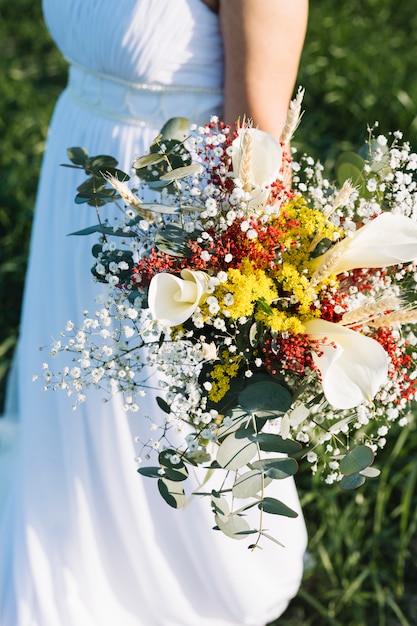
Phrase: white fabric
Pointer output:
(85, 541)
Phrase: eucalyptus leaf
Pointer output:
(115, 172)
(172, 240)
(350, 165)
(265, 396)
(175, 128)
(234, 526)
(78, 156)
(356, 460)
(276, 507)
(347, 171)
(90, 186)
(150, 472)
(250, 484)
(236, 451)
(159, 208)
(172, 492)
(370, 472)
(182, 172)
(353, 481)
(236, 418)
(276, 468)
(163, 405)
(148, 160)
(101, 228)
(173, 471)
(100, 162)
(220, 505)
(269, 442)
(197, 457)
(230, 399)
(254, 333)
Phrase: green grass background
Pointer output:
(359, 66)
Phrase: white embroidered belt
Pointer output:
(140, 104)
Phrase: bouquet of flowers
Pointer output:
(275, 321)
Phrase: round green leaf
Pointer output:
(353, 481)
(237, 419)
(150, 472)
(356, 460)
(236, 451)
(250, 484)
(197, 457)
(182, 172)
(370, 472)
(277, 468)
(220, 506)
(101, 162)
(172, 240)
(172, 492)
(173, 471)
(78, 156)
(276, 507)
(265, 396)
(148, 160)
(175, 128)
(350, 166)
(163, 405)
(233, 526)
(269, 442)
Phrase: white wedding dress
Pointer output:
(85, 540)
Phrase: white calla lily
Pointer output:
(256, 160)
(387, 240)
(352, 366)
(172, 300)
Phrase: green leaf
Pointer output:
(172, 492)
(100, 228)
(197, 457)
(173, 471)
(148, 160)
(265, 396)
(353, 481)
(254, 333)
(276, 507)
(150, 472)
(163, 405)
(230, 399)
(264, 306)
(370, 472)
(100, 162)
(182, 172)
(159, 208)
(350, 166)
(175, 128)
(250, 484)
(356, 460)
(172, 240)
(78, 156)
(275, 443)
(276, 468)
(220, 505)
(234, 526)
(236, 450)
(238, 419)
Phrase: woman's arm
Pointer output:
(263, 40)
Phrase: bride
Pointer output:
(84, 540)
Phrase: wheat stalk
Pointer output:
(326, 267)
(368, 312)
